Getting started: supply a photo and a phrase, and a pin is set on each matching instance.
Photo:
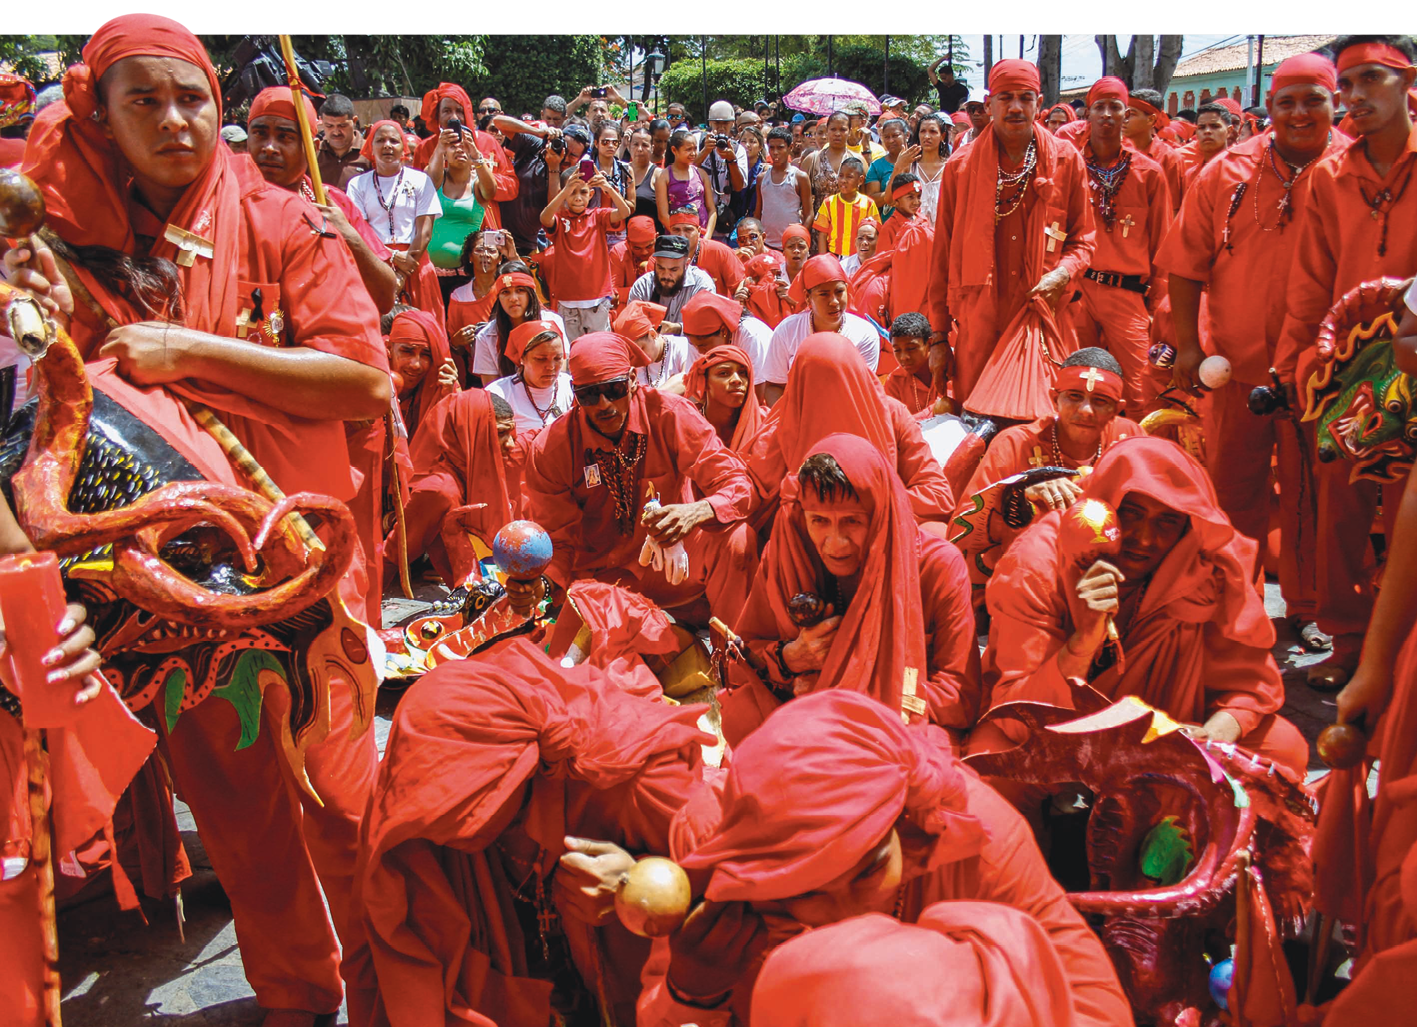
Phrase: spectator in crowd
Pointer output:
(919, 112)
(470, 304)
(867, 235)
(487, 109)
(784, 190)
(539, 391)
(515, 301)
(530, 144)
(710, 255)
(929, 163)
(842, 212)
(660, 131)
(894, 132)
(822, 166)
(553, 111)
(463, 177)
(643, 171)
(683, 184)
(608, 135)
(235, 138)
(953, 92)
(745, 201)
(858, 139)
(339, 153)
(676, 116)
(978, 118)
(672, 281)
(1059, 114)
(581, 265)
(725, 162)
(751, 240)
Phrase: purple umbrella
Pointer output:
(825, 95)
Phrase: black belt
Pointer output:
(1132, 283)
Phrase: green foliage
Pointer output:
(21, 54)
(740, 81)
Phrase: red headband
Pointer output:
(1308, 69)
(906, 187)
(275, 102)
(1372, 53)
(1109, 87)
(1089, 379)
(795, 232)
(520, 336)
(684, 216)
(512, 280)
(1162, 118)
(434, 97)
(132, 35)
(367, 150)
(1013, 76)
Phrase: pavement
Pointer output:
(118, 972)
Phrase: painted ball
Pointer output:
(1090, 529)
(654, 898)
(1342, 746)
(522, 550)
(1214, 372)
(21, 205)
(1222, 974)
(806, 609)
(1161, 355)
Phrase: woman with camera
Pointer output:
(463, 176)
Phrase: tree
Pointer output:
(1136, 69)
(24, 56)
(1050, 67)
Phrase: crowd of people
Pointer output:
(466, 317)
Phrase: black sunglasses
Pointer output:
(489, 110)
(614, 390)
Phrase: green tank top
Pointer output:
(460, 219)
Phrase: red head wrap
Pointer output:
(990, 966)
(750, 420)
(1233, 106)
(641, 231)
(820, 784)
(1162, 118)
(1014, 76)
(522, 334)
(1372, 53)
(445, 90)
(421, 326)
(1305, 69)
(906, 189)
(1067, 109)
(275, 101)
(818, 270)
(960, 118)
(707, 312)
(684, 216)
(1097, 380)
(603, 356)
(639, 318)
(510, 280)
(16, 98)
(795, 232)
(1109, 87)
(759, 268)
(367, 150)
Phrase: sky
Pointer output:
(1082, 64)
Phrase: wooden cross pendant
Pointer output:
(1037, 459)
(909, 701)
(1126, 223)
(1055, 235)
(243, 323)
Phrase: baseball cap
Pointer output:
(798, 118)
(233, 134)
(721, 110)
(671, 246)
(892, 101)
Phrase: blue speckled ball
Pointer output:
(1221, 976)
(522, 549)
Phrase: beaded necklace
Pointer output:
(621, 479)
(1016, 180)
(1285, 206)
(551, 412)
(1105, 184)
(1235, 198)
(393, 198)
(1058, 450)
(1381, 205)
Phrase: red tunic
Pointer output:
(1165, 155)
(1026, 446)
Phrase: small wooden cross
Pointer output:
(909, 701)
(1037, 459)
(1092, 377)
(243, 323)
(1126, 223)
(1055, 235)
(189, 245)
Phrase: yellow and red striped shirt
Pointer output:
(839, 219)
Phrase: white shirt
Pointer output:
(558, 398)
(678, 356)
(486, 344)
(753, 337)
(696, 280)
(782, 350)
(717, 168)
(851, 264)
(411, 198)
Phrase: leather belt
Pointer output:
(1132, 283)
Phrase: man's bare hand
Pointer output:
(670, 524)
(1055, 494)
(589, 875)
(31, 266)
(1052, 285)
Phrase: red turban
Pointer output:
(1089, 379)
(641, 231)
(818, 270)
(960, 118)
(639, 318)
(795, 232)
(522, 334)
(1109, 87)
(1233, 106)
(707, 312)
(1373, 53)
(1162, 118)
(16, 98)
(275, 101)
(1305, 69)
(1014, 76)
(367, 150)
(750, 420)
(604, 356)
(990, 965)
(421, 326)
(434, 97)
(821, 783)
(1070, 115)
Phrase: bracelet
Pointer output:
(705, 1002)
(782, 666)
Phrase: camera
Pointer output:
(722, 140)
(558, 145)
(598, 93)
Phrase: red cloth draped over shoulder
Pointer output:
(763, 301)
(989, 966)
(429, 113)
(421, 326)
(881, 640)
(914, 243)
(1200, 639)
(750, 420)
(463, 746)
(869, 287)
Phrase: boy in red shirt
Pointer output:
(581, 265)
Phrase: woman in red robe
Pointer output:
(420, 356)
(1194, 638)
(720, 384)
(834, 808)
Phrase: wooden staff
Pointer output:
(400, 526)
(307, 136)
(1242, 938)
(44, 875)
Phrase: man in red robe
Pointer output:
(470, 908)
(990, 966)
(421, 358)
(440, 107)
(1193, 638)
(1360, 224)
(1144, 120)
(1240, 262)
(834, 808)
(897, 622)
(1013, 221)
(275, 327)
(1132, 209)
(589, 475)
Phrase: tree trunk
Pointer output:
(1143, 49)
(1050, 65)
(988, 56)
(1113, 63)
(1166, 62)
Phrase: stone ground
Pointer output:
(119, 973)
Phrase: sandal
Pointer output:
(1313, 640)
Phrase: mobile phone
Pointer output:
(588, 169)
(598, 93)
(633, 111)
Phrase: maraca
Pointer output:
(806, 609)
(1088, 532)
(522, 551)
(1342, 746)
(1214, 372)
(21, 205)
(654, 897)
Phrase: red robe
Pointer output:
(911, 269)
(488, 760)
(982, 271)
(1200, 640)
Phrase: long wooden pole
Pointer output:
(44, 876)
(1240, 983)
(307, 135)
(400, 526)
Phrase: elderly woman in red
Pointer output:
(1194, 636)
(720, 384)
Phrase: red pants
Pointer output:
(21, 950)
(1117, 320)
(279, 855)
(1239, 446)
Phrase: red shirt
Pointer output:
(721, 264)
(582, 260)
(1165, 155)
(1143, 213)
(12, 152)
